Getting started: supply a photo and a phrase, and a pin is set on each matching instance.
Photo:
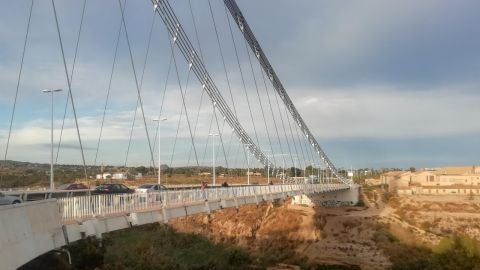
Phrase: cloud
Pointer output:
(389, 113)
(68, 146)
(368, 70)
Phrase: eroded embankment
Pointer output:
(295, 235)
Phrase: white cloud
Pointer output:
(390, 113)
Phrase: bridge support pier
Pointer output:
(345, 197)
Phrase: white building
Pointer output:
(119, 176)
(104, 176)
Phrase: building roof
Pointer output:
(393, 173)
(458, 170)
(426, 172)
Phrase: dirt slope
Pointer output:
(293, 234)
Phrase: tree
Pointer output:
(141, 169)
(294, 171)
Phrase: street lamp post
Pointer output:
(283, 170)
(268, 166)
(213, 151)
(268, 172)
(318, 172)
(51, 91)
(247, 145)
(295, 169)
(313, 164)
(159, 171)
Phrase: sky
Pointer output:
(379, 83)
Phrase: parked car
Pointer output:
(72, 186)
(146, 188)
(112, 189)
(6, 199)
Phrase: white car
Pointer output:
(147, 188)
(6, 199)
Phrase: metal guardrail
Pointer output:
(35, 195)
(83, 207)
(42, 194)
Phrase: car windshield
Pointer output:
(103, 187)
(146, 186)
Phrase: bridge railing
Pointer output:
(83, 207)
(42, 194)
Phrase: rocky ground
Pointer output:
(439, 217)
(302, 235)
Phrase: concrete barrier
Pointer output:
(27, 231)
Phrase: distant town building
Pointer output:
(119, 176)
(104, 176)
(464, 190)
(373, 182)
(394, 180)
(114, 176)
(445, 180)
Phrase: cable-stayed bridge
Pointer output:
(202, 75)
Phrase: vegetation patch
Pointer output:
(147, 247)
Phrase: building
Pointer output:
(460, 180)
(104, 176)
(373, 182)
(114, 176)
(423, 178)
(119, 176)
(395, 179)
(464, 190)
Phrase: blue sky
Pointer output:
(380, 84)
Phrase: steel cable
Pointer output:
(117, 42)
(141, 87)
(18, 82)
(69, 88)
(136, 82)
(77, 42)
